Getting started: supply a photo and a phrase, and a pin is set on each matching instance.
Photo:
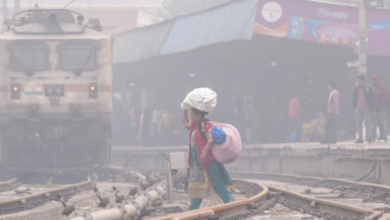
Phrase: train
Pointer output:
(55, 92)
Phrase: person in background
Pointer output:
(293, 118)
(205, 172)
(314, 130)
(363, 104)
(156, 118)
(166, 127)
(145, 132)
(379, 115)
(133, 124)
(332, 114)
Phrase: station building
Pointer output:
(256, 54)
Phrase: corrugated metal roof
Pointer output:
(140, 43)
(233, 21)
(176, 8)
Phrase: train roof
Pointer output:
(88, 34)
(52, 24)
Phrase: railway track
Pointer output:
(30, 197)
(338, 199)
(324, 198)
(15, 205)
(9, 184)
(368, 192)
(262, 197)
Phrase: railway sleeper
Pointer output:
(308, 210)
(24, 207)
(346, 189)
(251, 212)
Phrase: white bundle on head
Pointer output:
(203, 99)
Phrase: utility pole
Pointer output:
(17, 5)
(363, 34)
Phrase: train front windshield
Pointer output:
(80, 56)
(29, 56)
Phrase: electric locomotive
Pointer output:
(55, 92)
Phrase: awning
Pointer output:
(228, 22)
(140, 43)
(233, 21)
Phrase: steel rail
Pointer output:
(6, 185)
(385, 217)
(278, 176)
(343, 210)
(377, 188)
(339, 209)
(197, 215)
(12, 205)
(225, 209)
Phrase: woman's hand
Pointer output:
(203, 157)
(209, 136)
(185, 120)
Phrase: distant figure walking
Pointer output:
(332, 114)
(145, 132)
(156, 118)
(363, 104)
(166, 127)
(295, 126)
(379, 115)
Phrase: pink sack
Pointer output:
(231, 148)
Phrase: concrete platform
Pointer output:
(344, 160)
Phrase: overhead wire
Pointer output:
(36, 5)
(69, 3)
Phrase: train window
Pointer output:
(29, 56)
(78, 56)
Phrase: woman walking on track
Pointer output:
(206, 174)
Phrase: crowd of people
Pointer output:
(156, 127)
(370, 103)
(273, 118)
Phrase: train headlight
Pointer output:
(93, 90)
(15, 91)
